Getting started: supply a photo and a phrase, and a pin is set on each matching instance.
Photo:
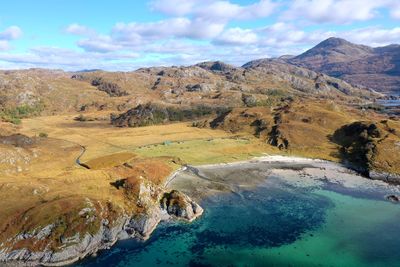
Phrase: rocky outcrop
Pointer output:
(74, 248)
(112, 89)
(141, 115)
(393, 198)
(150, 114)
(384, 176)
(181, 206)
(367, 147)
(358, 142)
(173, 205)
(17, 140)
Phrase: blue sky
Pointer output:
(125, 35)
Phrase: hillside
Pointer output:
(364, 141)
(33, 92)
(374, 68)
(85, 157)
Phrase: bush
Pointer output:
(43, 135)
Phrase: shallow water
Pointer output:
(275, 224)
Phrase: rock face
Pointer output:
(366, 147)
(140, 116)
(358, 141)
(304, 80)
(112, 89)
(172, 205)
(180, 205)
(74, 248)
(374, 68)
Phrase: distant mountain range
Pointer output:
(374, 68)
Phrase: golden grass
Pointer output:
(220, 150)
(53, 178)
(109, 160)
(100, 138)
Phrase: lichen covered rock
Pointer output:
(180, 205)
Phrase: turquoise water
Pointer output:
(275, 224)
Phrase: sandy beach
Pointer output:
(204, 180)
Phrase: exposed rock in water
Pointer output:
(73, 248)
(180, 205)
(140, 225)
(393, 198)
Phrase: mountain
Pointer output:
(49, 92)
(374, 68)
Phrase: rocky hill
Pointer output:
(364, 141)
(374, 68)
(26, 93)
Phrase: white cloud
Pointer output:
(198, 30)
(193, 19)
(237, 36)
(4, 45)
(134, 36)
(395, 9)
(169, 28)
(78, 29)
(226, 10)
(215, 10)
(11, 33)
(334, 11)
(68, 59)
(173, 7)
(373, 36)
(99, 43)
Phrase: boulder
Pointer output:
(180, 205)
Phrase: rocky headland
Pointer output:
(173, 205)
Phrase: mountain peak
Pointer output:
(341, 45)
(333, 41)
(332, 50)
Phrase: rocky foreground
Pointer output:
(172, 205)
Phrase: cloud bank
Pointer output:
(193, 30)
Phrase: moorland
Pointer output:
(85, 156)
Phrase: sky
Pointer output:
(123, 35)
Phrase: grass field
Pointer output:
(100, 138)
(45, 177)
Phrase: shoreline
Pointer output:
(143, 225)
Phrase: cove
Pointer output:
(291, 217)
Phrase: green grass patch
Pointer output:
(206, 151)
(14, 115)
